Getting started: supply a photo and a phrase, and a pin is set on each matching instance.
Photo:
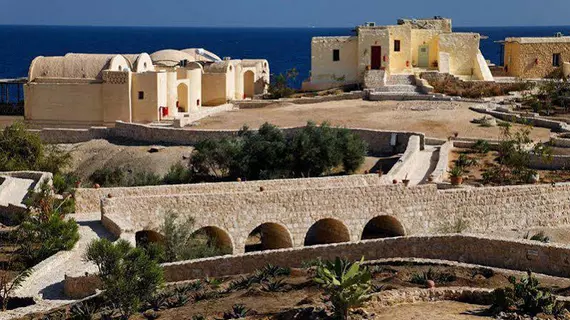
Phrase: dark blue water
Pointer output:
(284, 48)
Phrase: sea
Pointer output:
(285, 48)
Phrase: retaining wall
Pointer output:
(439, 174)
(492, 252)
(557, 126)
(408, 159)
(509, 254)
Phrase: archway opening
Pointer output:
(145, 237)
(327, 231)
(268, 236)
(383, 227)
(182, 102)
(248, 84)
(213, 239)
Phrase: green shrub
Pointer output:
(346, 284)
(437, 277)
(130, 277)
(180, 243)
(45, 230)
(23, 150)
(267, 154)
(279, 86)
(481, 146)
(525, 296)
(177, 174)
(118, 177)
(64, 183)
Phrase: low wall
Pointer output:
(521, 255)
(379, 141)
(60, 135)
(557, 126)
(88, 199)
(253, 104)
(440, 172)
(561, 140)
(509, 254)
(407, 160)
(202, 113)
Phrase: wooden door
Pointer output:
(376, 58)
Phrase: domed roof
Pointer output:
(170, 57)
(76, 66)
(139, 62)
(220, 66)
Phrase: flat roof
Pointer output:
(538, 39)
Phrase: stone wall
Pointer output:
(417, 210)
(500, 253)
(89, 199)
(200, 114)
(408, 159)
(60, 135)
(441, 169)
(520, 255)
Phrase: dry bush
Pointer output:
(449, 85)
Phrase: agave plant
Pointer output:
(274, 285)
(84, 310)
(238, 311)
(347, 284)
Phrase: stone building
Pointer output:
(539, 57)
(78, 90)
(377, 52)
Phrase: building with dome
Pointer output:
(78, 90)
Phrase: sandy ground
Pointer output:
(444, 310)
(95, 154)
(434, 118)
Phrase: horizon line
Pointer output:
(256, 27)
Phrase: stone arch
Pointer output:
(383, 227)
(268, 236)
(248, 84)
(216, 237)
(327, 231)
(146, 237)
(182, 91)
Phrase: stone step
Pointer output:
(401, 79)
(397, 89)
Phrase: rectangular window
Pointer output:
(141, 95)
(556, 60)
(336, 55)
(396, 45)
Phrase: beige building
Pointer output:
(380, 51)
(540, 57)
(79, 90)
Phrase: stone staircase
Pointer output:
(399, 84)
(374, 79)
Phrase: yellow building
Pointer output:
(78, 90)
(540, 57)
(377, 52)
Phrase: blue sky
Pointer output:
(280, 13)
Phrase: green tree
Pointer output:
(263, 154)
(23, 150)
(46, 230)
(130, 277)
(180, 243)
(215, 157)
(315, 150)
(346, 284)
(279, 86)
(353, 150)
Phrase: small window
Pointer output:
(336, 55)
(141, 95)
(556, 60)
(397, 45)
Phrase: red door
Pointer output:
(376, 57)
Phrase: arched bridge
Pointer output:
(262, 215)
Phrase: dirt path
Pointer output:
(435, 118)
(444, 310)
